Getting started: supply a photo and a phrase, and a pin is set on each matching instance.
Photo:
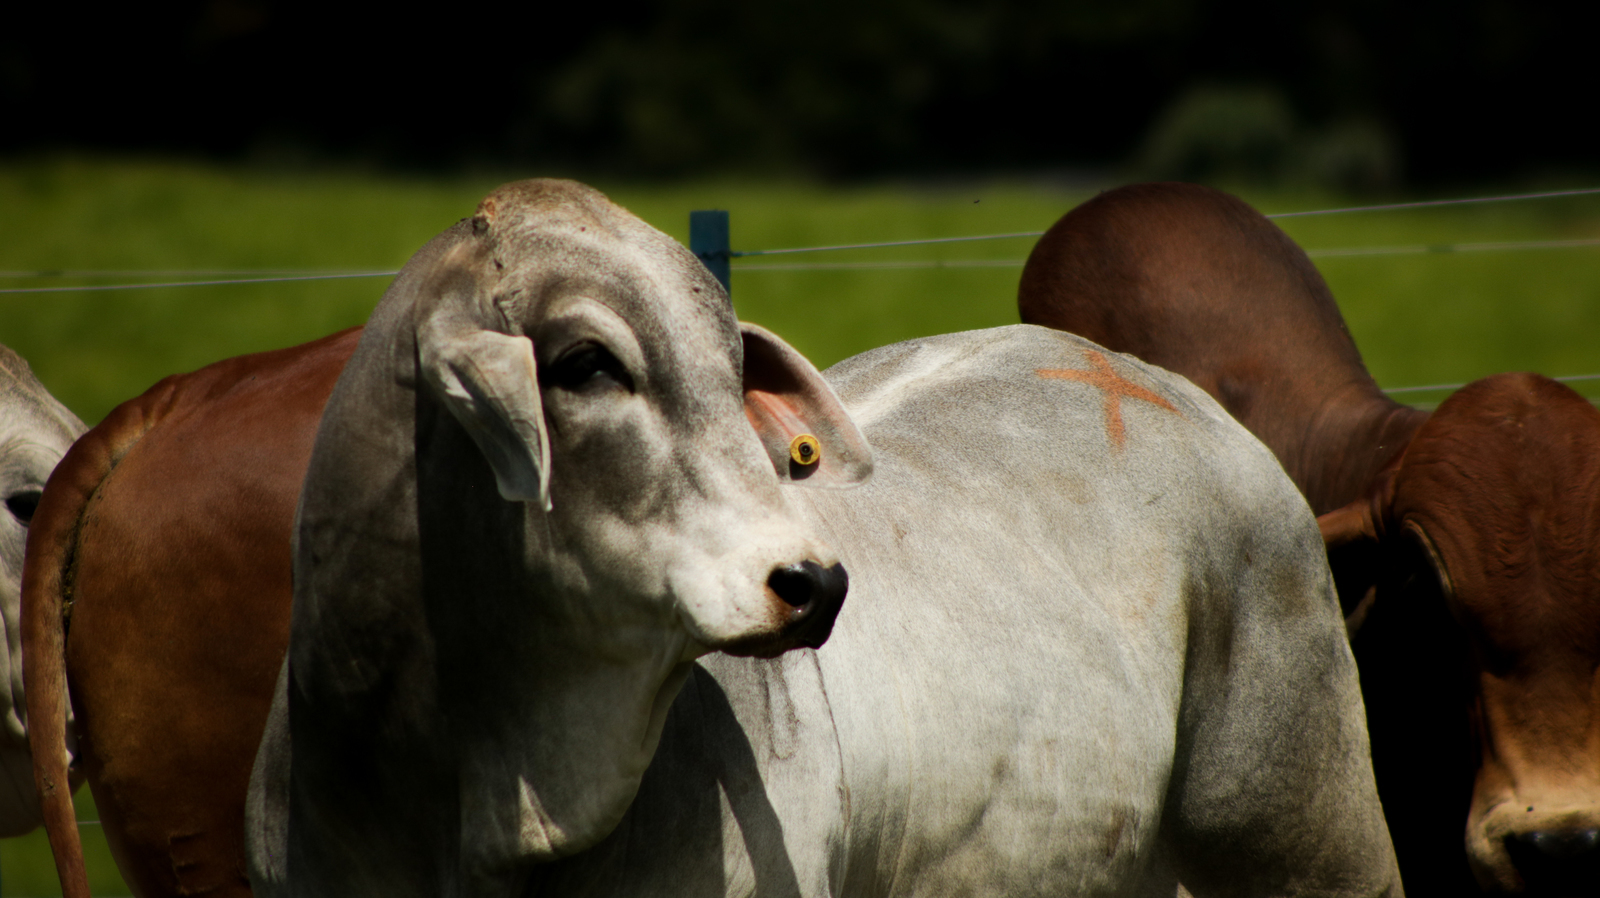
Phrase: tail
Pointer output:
(46, 600)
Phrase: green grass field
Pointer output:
(1419, 319)
(28, 871)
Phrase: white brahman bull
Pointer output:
(35, 431)
(1092, 646)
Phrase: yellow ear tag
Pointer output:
(805, 450)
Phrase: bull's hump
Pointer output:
(1114, 386)
(1011, 402)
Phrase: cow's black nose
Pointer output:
(816, 593)
(806, 582)
(1551, 862)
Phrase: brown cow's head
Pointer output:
(1496, 505)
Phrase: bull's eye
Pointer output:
(587, 366)
(23, 504)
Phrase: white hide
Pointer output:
(1042, 631)
(35, 431)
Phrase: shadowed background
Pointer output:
(1432, 90)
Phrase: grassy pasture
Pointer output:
(1419, 319)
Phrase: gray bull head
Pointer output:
(548, 480)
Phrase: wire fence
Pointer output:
(275, 276)
(719, 255)
(1405, 250)
(1448, 388)
(237, 276)
(1386, 207)
(90, 288)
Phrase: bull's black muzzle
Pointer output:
(816, 594)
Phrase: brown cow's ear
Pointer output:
(806, 431)
(1431, 551)
(1352, 523)
(1361, 550)
(1355, 558)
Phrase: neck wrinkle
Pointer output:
(1356, 434)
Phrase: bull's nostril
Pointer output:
(1557, 861)
(801, 584)
(796, 584)
(815, 593)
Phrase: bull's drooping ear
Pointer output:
(489, 382)
(806, 431)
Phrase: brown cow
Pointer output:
(1464, 543)
(157, 585)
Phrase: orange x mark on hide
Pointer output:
(1115, 386)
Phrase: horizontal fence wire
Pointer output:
(1420, 249)
(1384, 207)
(1422, 204)
(1415, 249)
(219, 277)
(882, 266)
(736, 254)
(1570, 378)
(280, 275)
(90, 288)
(175, 272)
(1412, 249)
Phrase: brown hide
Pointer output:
(166, 528)
(1196, 281)
(1464, 540)
(1502, 487)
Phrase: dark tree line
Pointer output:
(1455, 90)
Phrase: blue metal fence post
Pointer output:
(708, 240)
